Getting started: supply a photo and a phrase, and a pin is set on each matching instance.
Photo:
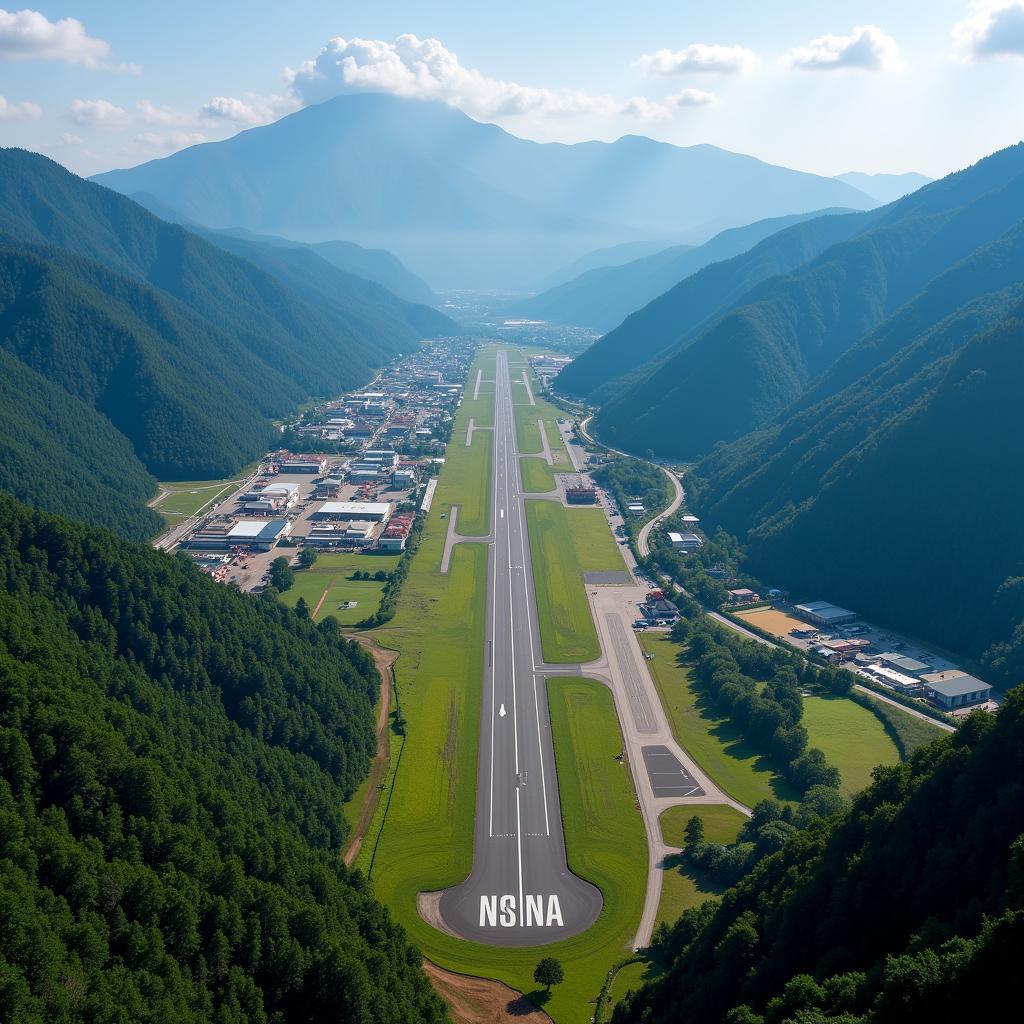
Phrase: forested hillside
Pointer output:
(750, 362)
(173, 759)
(117, 323)
(602, 297)
(644, 336)
(902, 474)
(910, 907)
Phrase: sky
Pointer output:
(820, 86)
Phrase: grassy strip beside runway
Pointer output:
(537, 476)
(682, 886)
(565, 544)
(851, 737)
(713, 742)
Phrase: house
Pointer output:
(743, 595)
(955, 689)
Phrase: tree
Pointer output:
(307, 557)
(549, 972)
(694, 831)
(301, 608)
(282, 575)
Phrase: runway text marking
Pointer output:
(500, 911)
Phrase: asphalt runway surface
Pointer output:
(520, 891)
(668, 777)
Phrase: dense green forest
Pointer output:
(173, 759)
(908, 907)
(59, 454)
(752, 359)
(903, 477)
(141, 328)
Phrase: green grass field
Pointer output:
(850, 736)
(712, 741)
(683, 887)
(721, 822)
(907, 731)
(466, 477)
(188, 497)
(528, 433)
(538, 477)
(567, 630)
(332, 572)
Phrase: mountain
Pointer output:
(750, 361)
(646, 334)
(883, 478)
(465, 204)
(174, 756)
(886, 188)
(143, 350)
(837, 927)
(609, 256)
(375, 265)
(604, 296)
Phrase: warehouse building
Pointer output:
(824, 613)
(355, 511)
(685, 541)
(258, 534)
(954, 689)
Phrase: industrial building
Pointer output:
(685, 541)
(355, 511)
(954, 689)
(824, 613)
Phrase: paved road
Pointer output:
(520, 892)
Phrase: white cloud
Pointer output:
(98, 113)
(426, 69)
(691, 98)
(30, 35)
(150, 113)
(167, 142)
(18, 111)
(70, 139)
(992, 30)
(697, 57)
(868, 48)
(253, 110)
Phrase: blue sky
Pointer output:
(826, 87)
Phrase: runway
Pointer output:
(520, 891)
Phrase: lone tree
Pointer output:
(549, 972)
(307, 556)
(694, 832)
(282, 575)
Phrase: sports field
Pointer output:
(850, 736)
(713, 742)
(772, 621)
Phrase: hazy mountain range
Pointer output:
(463, 203)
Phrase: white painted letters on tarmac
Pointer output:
(500, 911)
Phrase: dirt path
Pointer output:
(319, 605)
(383, 659)
(160, 495)
(481, 1001)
